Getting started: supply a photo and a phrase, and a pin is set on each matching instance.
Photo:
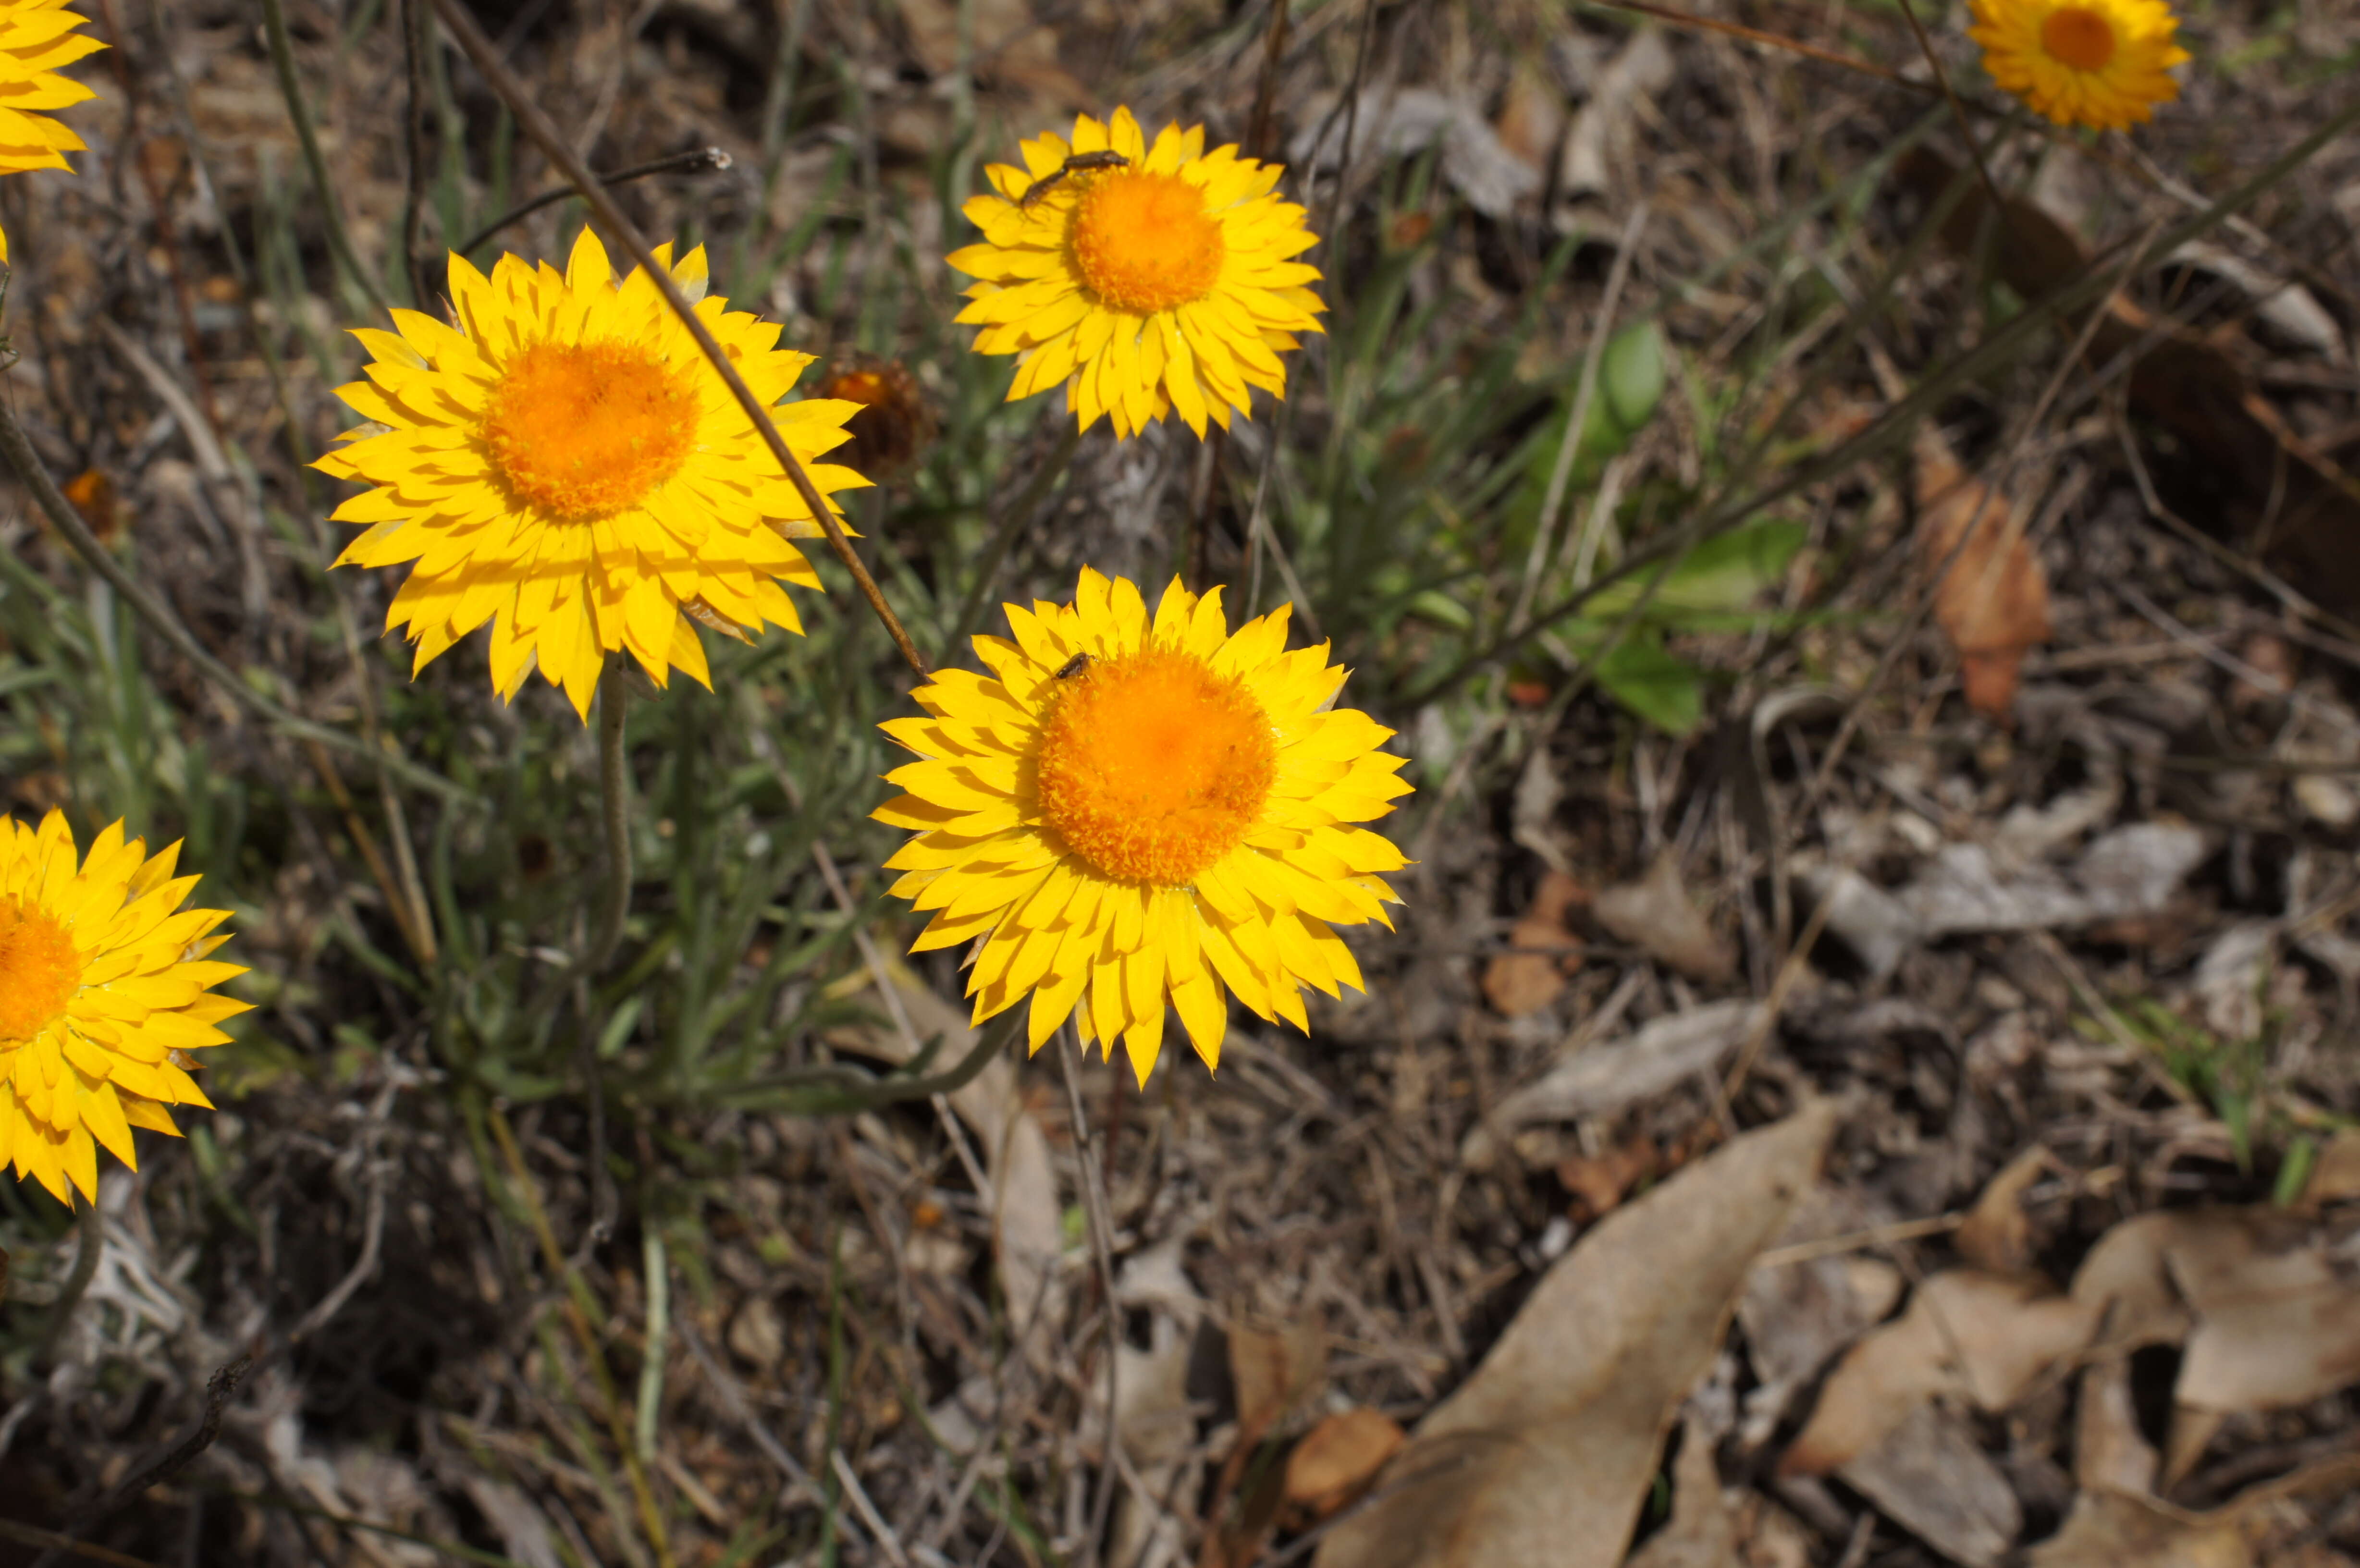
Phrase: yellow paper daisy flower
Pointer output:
(37, 40)
(566, 463)
(2103, 63)
(103, 987)
(1142, 279)
(1129, 812)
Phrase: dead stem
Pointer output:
(512, 91)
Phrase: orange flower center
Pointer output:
(1151, 766)
(1144, 242)
(2078, 37)
(39, 971)
(583, 430)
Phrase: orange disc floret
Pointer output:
(1151, 765)
(583, 430)
(1144, 242)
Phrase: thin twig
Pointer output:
(1199, 525)
(1857, 1241)
(1857, 709)
(375, 743)
(1951, 96)
(372, 1242)
(406, 916)
(695, 162)
(512, 91)
(735, 1405)
(290, 87)
(31, 1535)
(1216, 440)
(1273, 50)
(1769, 40)
(1790, 975)
(887, 1541)
(170, 1462)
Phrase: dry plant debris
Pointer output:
(1547, 1453)
(1866, 1073)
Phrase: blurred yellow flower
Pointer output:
(2101, 63)
(103, 987)
(1130, 812)
(1142, 279)
(37, 39)
(566, 464)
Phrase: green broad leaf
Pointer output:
(1630, 382)
(1722, 575)
(1644, 678)
(1631, 376)
(1441, 609)
(2294, 1172)
(626, 1018)
(519, 1084)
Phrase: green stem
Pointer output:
(614, 813)
(657, 1269)
(1014, 521)
(88, 1241)
(290, 87)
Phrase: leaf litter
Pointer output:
(1545, 1454)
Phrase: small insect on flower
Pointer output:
(1079, 163)
(105, 988)
(1179, 828)
(1141, 275)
